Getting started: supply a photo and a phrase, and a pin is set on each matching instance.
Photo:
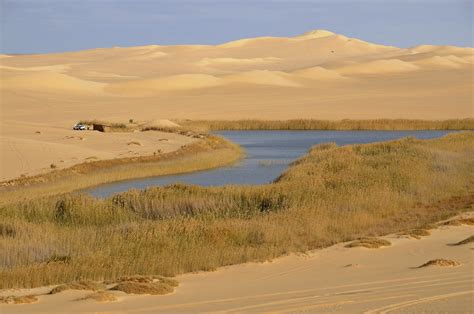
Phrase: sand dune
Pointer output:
(442, 50)
(378, 67)
(259, 77)
(317, 33)
(236, 61)
(249, 41)
(60, 68)
(169, 83)
(31, 150)
(449, 61)
(335, 279)
(48, 81)
(318, 74)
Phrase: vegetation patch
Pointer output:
(452, 222)
(55, 258)
(440, 262)
(417, 233)
(371, 243)
(466, 241)
(24, 299)
(310, 124)
(153, 288)
(208, 153)
(7, 230)
(134, 143)
(100, 296)
(149, 279)
(79, 285)
(467, 221)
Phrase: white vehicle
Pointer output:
(80, 127)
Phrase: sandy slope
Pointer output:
(26, 152)
(318, 75)
(336, 279)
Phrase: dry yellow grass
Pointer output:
(453, 222)
(24, 299)
(134, 143)
(100, 296)
(370, 243)
(418, 233)
(149, 279)
(466, 241)
(80, 285)
(347, 124)
(332, 194)
(440, 262)
(209, 153)
(467, 221)
(7, 230)
(153, 288)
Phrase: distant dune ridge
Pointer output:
(319, 74)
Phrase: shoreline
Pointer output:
(42, 175)
(331, 125)
(209, 153)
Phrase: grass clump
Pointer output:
(153, 288)
(149, 279)
(452, 222)
(466, 241)
(55, 258)
(100, 296)
(7, 230)
(24, 299)
(80, 285)
(370, 243)
(418, 233)
(467, 221)
(440, 262)
(134, 143)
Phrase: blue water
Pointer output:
(268, 154)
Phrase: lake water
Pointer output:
(268, 154)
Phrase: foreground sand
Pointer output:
(336, 279)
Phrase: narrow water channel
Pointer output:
(268, 154)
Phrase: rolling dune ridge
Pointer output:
(202, 82)
(317, 75)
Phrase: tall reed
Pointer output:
(331, 194)
(311, 124)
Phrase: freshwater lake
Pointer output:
(268, 154)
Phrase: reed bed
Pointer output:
(330, 195)
(210, 152)
(311, 124)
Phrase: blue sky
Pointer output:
(40, 26)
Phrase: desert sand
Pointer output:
(335, 279)
(320, 75)
(32, 149)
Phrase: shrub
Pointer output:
(154, 288)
